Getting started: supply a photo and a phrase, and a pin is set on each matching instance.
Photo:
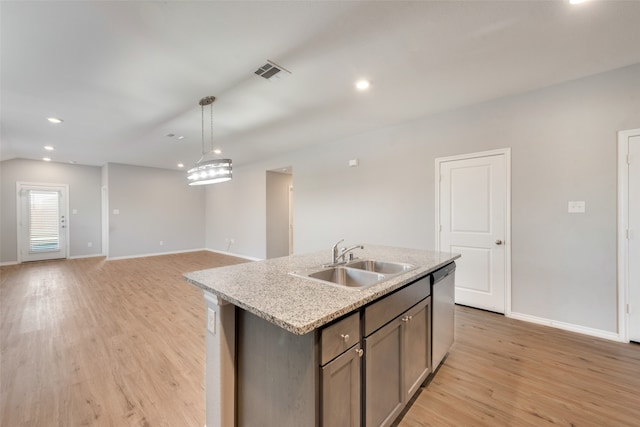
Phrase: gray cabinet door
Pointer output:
(383, 375)
(341, 387)
(416, 346)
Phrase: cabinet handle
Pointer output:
(345, 337)
(407, 318)
(359, 352)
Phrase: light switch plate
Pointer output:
(576, 206)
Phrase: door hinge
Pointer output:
(628, 234)
(628, 309)
(628, 159)
(440, 227)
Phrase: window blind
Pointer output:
(44, 230)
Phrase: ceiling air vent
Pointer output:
(272, 71)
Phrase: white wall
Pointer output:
(236, 210)
(563, 141)
(155, 205)
(84, 197)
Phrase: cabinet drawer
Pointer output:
(338, 337)
(383, 311)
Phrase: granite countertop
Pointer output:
(301, 305)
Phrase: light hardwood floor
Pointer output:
(505, 372)
(104, 343)
(121, 343)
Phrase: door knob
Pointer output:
(498, 242)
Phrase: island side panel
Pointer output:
(220, 367)
(277, 375)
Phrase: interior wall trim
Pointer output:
(250, 258)
(154, 254)
(598, 333)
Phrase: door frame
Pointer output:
(506, 152)
(44, 186)
(291, 217)
(104, 212)
(623, 225)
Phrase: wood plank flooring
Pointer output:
(90, 342)
(505, 372)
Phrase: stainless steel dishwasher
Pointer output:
(443, 317)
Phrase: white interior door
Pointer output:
(473, 221)
(42, 222)
(634, 237)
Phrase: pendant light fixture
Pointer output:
(209, 169)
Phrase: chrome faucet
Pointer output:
(337, 254)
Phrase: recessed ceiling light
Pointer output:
(181, 137)
(180, 165)
(73, 162)
(217, 151)
(55, 120)
(362, 84)
(49, 147)
(46, 159)
(576, 1)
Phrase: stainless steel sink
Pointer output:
(383, 267)
(350, 277)
(358, 274)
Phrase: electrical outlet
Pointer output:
(232, 240)
(575, 206)
(161, 242)
(89, 244)
(211, 321)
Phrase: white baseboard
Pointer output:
(150, 254)
(599, 333)
(155, 254)
(250, 258)
(70, 257)
(85, 256)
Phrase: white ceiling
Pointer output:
(123, 75)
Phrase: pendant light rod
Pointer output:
(207, 100)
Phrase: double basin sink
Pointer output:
(357, 274)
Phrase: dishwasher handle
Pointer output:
(443, 272)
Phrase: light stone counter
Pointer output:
(301, 305)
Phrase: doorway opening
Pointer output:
(43, 232)
(105, 221)
(279, 211)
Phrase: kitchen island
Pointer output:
(270, 336)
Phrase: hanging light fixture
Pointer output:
(209, 169)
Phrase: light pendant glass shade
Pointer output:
(210, 171)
